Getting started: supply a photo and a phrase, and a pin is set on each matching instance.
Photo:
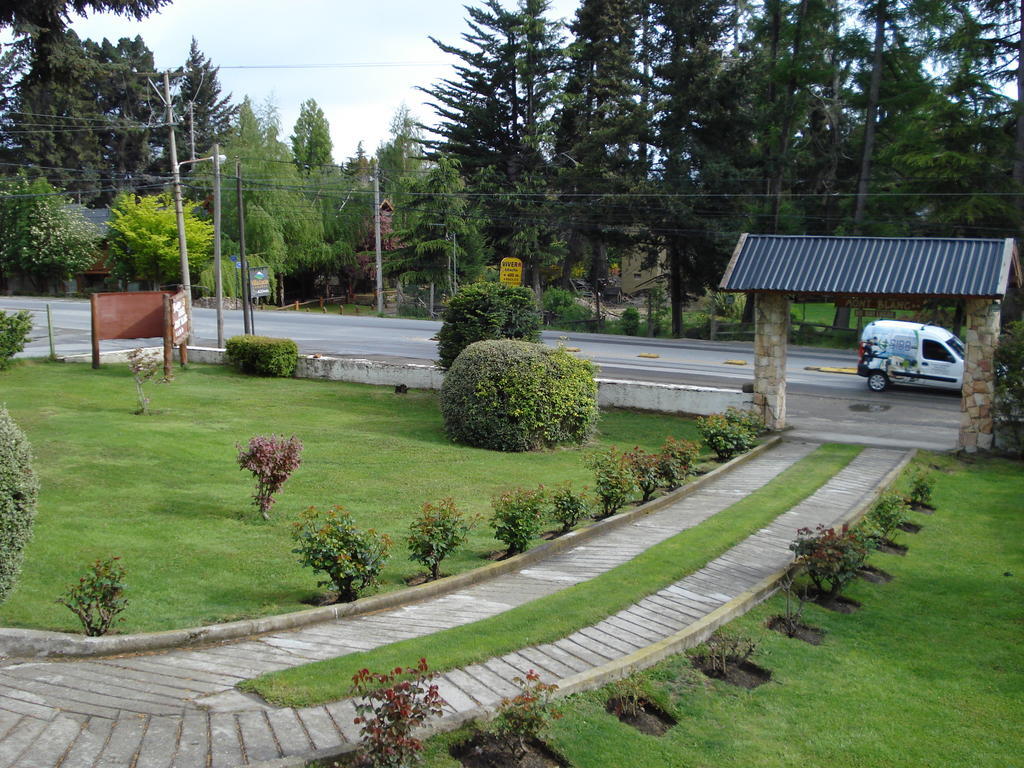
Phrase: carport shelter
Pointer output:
(881, 273)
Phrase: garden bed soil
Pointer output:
(485, 750)
(838, 604)
(874, 575)
(910, 527)
(745, 674)
(649, 717)
(891, 548)
(924, 509)
(805, 632)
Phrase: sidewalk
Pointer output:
(181, 708)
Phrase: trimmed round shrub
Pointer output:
(263, 355)
(481, 311)
(516, 396)
(18, 492)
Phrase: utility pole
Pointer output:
(246, 318)
(186, 281)
(192, 127)
(218, 281)
(455, 268)
(376, 234)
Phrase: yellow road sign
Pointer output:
(511, 272)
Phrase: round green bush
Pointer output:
(481, 311)
(516, 396)
(18, 492)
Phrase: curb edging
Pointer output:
(41, 644)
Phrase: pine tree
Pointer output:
(496, 119)
(311, 139)
(207, 115)
(601, 124)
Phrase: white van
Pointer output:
(898, 352)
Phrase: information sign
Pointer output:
(259, 282)
(511, 272)
(179, 319)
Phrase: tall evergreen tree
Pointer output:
(601, 124)
(703, 137)
(311, 139)
(496, 119)
(207, 113)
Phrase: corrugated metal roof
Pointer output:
(98, 217)
(921, 266)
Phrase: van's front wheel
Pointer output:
(878, 382)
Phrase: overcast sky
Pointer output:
(359, 60)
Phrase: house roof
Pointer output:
(98, 217)
(878, 266)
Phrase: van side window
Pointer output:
(933, 350)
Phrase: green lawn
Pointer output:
(562, 613)
(165, 494)
(927, 673)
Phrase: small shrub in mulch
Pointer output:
(790, 622)
(837, 603)
(629, 700)
(890, 547)
(921, 486)
(874, 575)
(642, 714)
(797, 630)
(726, 657)
(486, 750)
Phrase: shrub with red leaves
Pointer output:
(271, 459)
(392, 705)
(831, 557)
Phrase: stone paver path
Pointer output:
(180, 707)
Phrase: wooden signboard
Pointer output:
(883, 303)
(141, 315)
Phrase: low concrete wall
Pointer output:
(612, 393)
(669, 398)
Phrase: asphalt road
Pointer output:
(820, 405)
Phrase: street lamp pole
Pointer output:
(186, 281)
(218, 281)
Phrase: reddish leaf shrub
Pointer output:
(831, 558)
(391, 705)
(676, 461)
(646, 470)
(271, 459)
(525, 716)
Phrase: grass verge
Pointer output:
(927, 673)
(165, 494)
(555, 616)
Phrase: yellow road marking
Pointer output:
(648, 354)
(735, 362)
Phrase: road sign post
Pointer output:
(511, 272)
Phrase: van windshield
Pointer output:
(956, 345)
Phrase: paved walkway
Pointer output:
(180, 707)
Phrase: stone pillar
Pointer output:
(979, 375)
(771, 337)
